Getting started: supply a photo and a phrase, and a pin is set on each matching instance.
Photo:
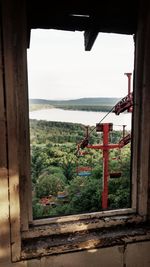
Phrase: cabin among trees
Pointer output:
(118, 238)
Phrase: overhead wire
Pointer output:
(103, 118)
(85, 139)
(105, 115)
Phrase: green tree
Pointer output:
(49, 184)
(85, 195)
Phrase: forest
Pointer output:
(103, 104)
(64, 182)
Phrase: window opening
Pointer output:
(72, 173)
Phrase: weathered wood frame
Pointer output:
(14, 74)
(14, 123)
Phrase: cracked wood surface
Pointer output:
(113, 236)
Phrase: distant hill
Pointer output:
(102, 101)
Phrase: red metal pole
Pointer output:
(128, 74)
(105, 128)
(105, 165)
(123, 135)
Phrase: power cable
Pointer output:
(85, 140)
(103, 118)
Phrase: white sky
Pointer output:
(60, 68)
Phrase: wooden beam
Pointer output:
(141, 125)
(89, 39)
(5, 255)
(28, 37)
(33, 248)
(11, 117)
(15, 81)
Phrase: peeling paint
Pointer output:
(121, 236)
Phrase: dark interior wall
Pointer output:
(13, 82)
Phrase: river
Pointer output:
(84, 117)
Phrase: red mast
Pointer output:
(128, 74)
(125, 103)
(106, 146)
(105, 165)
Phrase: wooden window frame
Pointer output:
(63, 229)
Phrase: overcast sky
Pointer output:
(59, 68)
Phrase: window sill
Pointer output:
(75, 235)
(80, 222)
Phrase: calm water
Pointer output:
(84, 117)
